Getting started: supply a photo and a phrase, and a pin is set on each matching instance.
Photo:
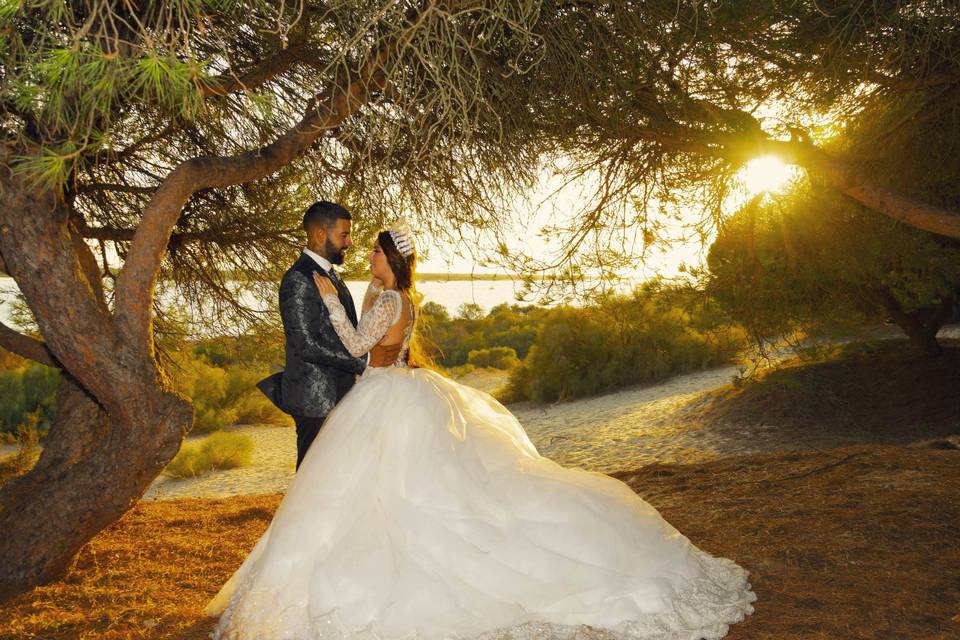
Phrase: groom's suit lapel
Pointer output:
(306, 265)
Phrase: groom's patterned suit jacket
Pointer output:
(319, 369)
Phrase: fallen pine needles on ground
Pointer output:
(858, 542)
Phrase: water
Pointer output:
(453, 293)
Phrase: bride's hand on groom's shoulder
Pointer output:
(324, 286)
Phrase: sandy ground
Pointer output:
(625, 429)
(621, 430)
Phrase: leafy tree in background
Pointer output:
(682, 95)
(810, 257)
(809, 260)
(469, 311)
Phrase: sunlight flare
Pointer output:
(767, 173)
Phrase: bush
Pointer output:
(621, 340)
(219, 450)
(224, 396)
(28, 395)
(449, 342)
(497, 357)
(254, 408)
(27, 439)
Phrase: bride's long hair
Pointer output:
(404, 268)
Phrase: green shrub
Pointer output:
(28, 396)
(448, 342)
(207, 419)
(621, 340)
(224, 396)
(496, 357)
(460, 370)
(219, 450)
(254, 408)
(27, 439)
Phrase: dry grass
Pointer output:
(146, 576)
(857, 542)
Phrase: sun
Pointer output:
(767, 173)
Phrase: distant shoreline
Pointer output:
(432, 277)
(441, 277)
(461, 277)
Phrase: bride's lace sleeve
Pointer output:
(373, 292)
(373, 325)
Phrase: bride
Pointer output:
(422, 511)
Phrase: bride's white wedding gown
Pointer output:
(422, 511)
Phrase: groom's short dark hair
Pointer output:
(324, 214)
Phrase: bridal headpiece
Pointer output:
(402, 238)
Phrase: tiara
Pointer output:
(402, 238)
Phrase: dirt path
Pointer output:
(625, 429)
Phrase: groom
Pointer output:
(319, 369)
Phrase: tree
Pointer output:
(182, 140)
(173, 145)
(682, 95)
(810, 259)
(470, 311)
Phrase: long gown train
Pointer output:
(422, 512)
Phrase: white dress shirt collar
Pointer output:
(319, 259)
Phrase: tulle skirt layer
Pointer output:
(422, 511)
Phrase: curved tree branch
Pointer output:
(118, 234)
(848, 180)
(258, 75)
(135, 283)
(835, 172)
(26, 347)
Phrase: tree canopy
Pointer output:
(809, 260)
(179, 142)
(680, 97)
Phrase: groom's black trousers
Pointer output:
(307, 430)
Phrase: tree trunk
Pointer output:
(90, 473)
(117, 424)
(921, 326)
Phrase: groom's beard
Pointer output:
(331, 253)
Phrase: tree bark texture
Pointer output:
(922, 325)
(116, 425)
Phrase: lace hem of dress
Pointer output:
(711, 603)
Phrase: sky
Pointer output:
(543, 206)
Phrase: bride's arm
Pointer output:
(373, 292)
(373, 325)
